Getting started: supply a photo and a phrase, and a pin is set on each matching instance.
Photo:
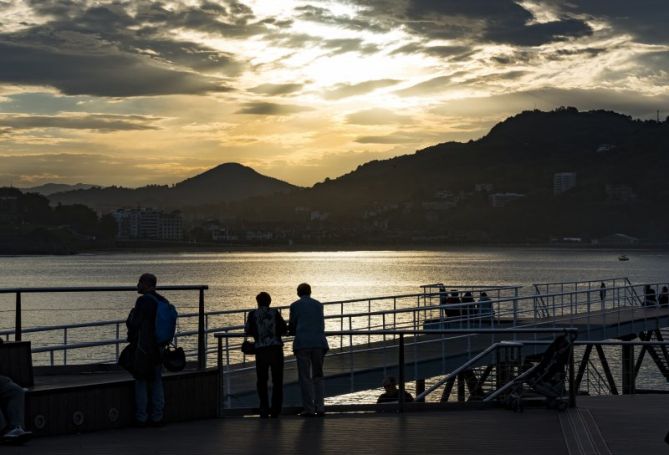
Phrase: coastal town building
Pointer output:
(148, 224)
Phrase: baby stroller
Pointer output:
(547, 378)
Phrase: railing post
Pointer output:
(221, 380)
(17, 324)
(515, 309)
(572, 381)
(628, 369)
(65, 343)
(201, 349)
(401, 373)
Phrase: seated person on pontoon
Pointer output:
(12, 410)
(392, 393)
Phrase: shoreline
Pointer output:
(316, 248)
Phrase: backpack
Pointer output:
(166, 321)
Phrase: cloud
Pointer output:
(264, 108)
(497, 21)
(100, 169)
(344, 45)
(628, 102)
(459, 79)
(324, 16)
(646, 20)
(400, 137)
(121, 49)
(112, 75)
(377, 116)
(435, 51)
(346, 90)
(77, 121)
(430, 86)
(276, 89)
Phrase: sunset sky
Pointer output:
(139, 92)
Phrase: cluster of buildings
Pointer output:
(148, 224)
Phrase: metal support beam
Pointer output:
(607, 370)
(401, 373)
(420, 387)
(628, 369)
(447, 390)
(201, 348)
(17, 323)
(461, 387)
(583, 366)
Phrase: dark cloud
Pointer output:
(436, 51)
(97, 122)
(646, 20)
(122, 49)
(499, 21)
(112, 74)
(263, 108)
(276, 89)
(377, 116)
(347, 90)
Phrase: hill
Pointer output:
(620, 163)
(224, 183)
(51, 188)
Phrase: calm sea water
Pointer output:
(235, 278)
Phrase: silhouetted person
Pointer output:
(485, 305)
(307, 323)
(392, 393)
(147, 370)
(602, 292)
(443, 299)
(266, 326)
(649, 296)
(663, 299)
(467, 297)
(452, 300)
(12, 411)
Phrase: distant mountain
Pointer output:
(51, 188)
(621, 166)
(225, 183)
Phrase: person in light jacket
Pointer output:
(307, 324)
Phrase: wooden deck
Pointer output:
(604, 425)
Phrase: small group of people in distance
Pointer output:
(481, 308)
(652, 300)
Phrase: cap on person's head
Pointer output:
(148, 279)
(263, 299)
(303, 289)
(484, 294)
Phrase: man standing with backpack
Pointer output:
(148, 323)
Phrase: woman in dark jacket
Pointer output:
(266, 326)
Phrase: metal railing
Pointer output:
(226, 370)
(408, 311)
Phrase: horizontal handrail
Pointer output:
(424, 332)
(466, 365)
(37, 290)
